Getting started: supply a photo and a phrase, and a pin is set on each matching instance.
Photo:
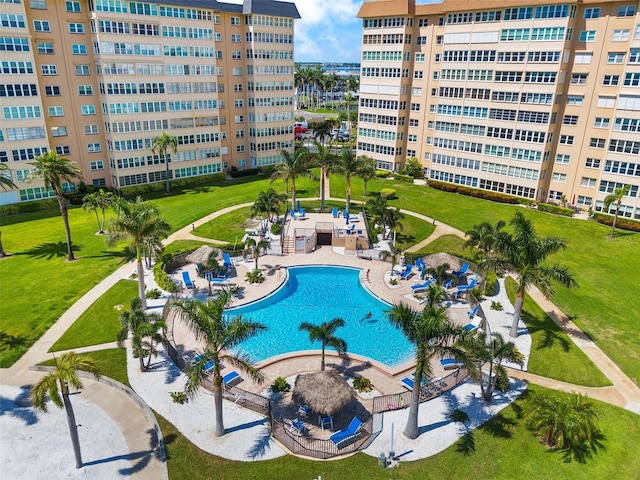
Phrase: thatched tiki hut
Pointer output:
(325, 392)
(201, 255)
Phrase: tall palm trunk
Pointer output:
(323, 177)
(140, 269)
(2, 252)
(322, 359)
(65, 219)
(71, 420)
(348, 195)
(516, 313)
(166, 168)
(411, 429)
(615, 219)
(217, 399)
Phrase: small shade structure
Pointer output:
(201, 255)
(437, 259)
(324, 392)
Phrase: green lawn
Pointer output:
(553, 354)
(111, 363)
(100, 323)
(500, 449)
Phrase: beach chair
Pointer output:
(335, 212)
(422, 286)
(450, 363)
(420, 264)
(226, 261)
(297, 426)
(472, 313)
(187, 280)
(231, 378)
(473, 325)
(346, 435)
(447, 283)
(294, 215)
(408, 271)
(462, 271)
(304, 411)
(325, 421)
(301, 213)
(407, 382)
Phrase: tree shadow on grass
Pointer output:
(125, 253)
(50, 250)
(551, 333)
(11, 342)
(585, 451)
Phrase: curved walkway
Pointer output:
(624, 392)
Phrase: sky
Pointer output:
(327, 32)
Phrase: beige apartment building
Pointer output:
(539, 100)
(97, 80)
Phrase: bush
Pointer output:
(362, 384)
(413, 168)
(403, 178)
(153, 294)
(497, 306)
(555, 209)
(502, 380)
(280, 385)
(490, 284)
(162, 279)
(179, 397)
(243, 173)
(621, 223)
(276, 228)
(388, 193)
(254, 276)
(267, 169)
(475, 192)
(382, 173)
(178, 183)
(25, 207)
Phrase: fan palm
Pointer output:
(256, 248)
(391, 219)
(295, 165)
(220, 333)
(161, 144)
(615, 197)
(52, 170)
(137, 221)
(324, 158)
(348, 166)
(325, 334)
(484, 237)
(434, 335)
(211, 266)
(523, 252)
(367, 170)
(268, 203)
(100, 200)
(145, 330)
(56, 384)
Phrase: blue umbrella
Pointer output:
(298, 205)
(346, 217)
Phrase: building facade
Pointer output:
(534, 100)
(97, 80)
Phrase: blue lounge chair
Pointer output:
(462, 271)
(301, 213)
(231, 379)
(473, 325)
(297, 426)
(408, 271)
(294, 215)
(226, 261)
(335, 213)
(420, 264)
(447, 283)
(450, 363)
(187, 280)
(342, 437)
(422, 286)
(472, 313)
(465, 288)
(407, 382)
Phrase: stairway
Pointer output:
(288, 246)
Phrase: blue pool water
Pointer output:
(317, 294)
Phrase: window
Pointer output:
(239, 119)
(236, 71)
(94, 148)
(76, 27)
(56, 112)
(566, 140)
(85, 90)
(588, 36)
(45, 48)
(588, 182)
(79, 49)
(575, 99)
(592, 163)
(235, 38)
(583, 58)
(606, 102)
(63, 150)
(88, 109)
(563, 159)
(579, 78)
(235, 21)
(627, 11)
(72, 6)
(601, 122)
(634, 55)
(96, 165)
(559, 177)
(610, 80)
(620, 35)
(58, 131)
(596, 142)
(37, 4)
(12, 20)
(82, 70)
(41, 26)
(615, 57)
(18, 90)
(584, 201)
(590, 13)
(91, 129)
(631, 79)
(570, 120)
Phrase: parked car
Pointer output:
(300, 129)
(299, 136)
(342, 135)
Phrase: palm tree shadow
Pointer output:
(467, 444)
(11, 342)
(19, 407)
(585, 451)
(551, 336)
(261, 445)
(50, 250)
(139, 460)
(125, 254)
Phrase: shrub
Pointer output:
(267, 169)
(153, 294)
(178, 183)
(497, 306)
(403, 178)
(254, 276)
(280, 385)
(179, 397)
(276, 228)
(475, 192)
(549, 208)
(490, 284)
(243, 173)
(383, 173)
(413, 168)
(25, 207)
(621, 223)
(362, 384)
(388, 193)
(162, 279)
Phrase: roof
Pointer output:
(260, 7)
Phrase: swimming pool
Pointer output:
(318, 294)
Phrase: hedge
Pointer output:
(162, 279)
(235, 173)
(25, 207)
(621, 223)
(403, 178)
(388, 193)
(475, 192)
(180, 183)
(555, 209)
(383, 173)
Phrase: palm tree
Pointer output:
(615, 197)
(257, 247)
(161, 144)
(492, 351)
(348, 166)
(56, 385)
(52, 170)
(6, 182)
(523, 252)
(392, 254)
(565, 420)
(211, 266)
(220, 333)
(391, 219)
(295, 165)
(100, 200)
(268, 203)
(434, 335)
(367, 170)
(321, 130)
(137, 221)
(440, 273)
(326, 160)
(484, 237)
(325, 334)
(145, 330)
